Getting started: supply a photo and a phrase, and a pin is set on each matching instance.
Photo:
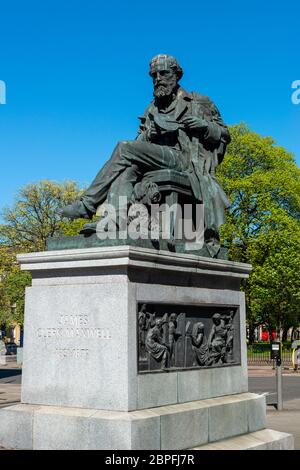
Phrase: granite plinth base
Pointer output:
(182, 426)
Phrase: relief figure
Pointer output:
(155, 345)
(199, 345)
(217, 340)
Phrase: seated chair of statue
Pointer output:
(165, 187)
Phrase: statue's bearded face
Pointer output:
(164, 81)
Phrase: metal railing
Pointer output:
(263, 357)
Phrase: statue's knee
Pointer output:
(127, 147)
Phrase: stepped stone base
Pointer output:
(198, 424)
(266, 439)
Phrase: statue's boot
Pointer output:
(89, 229)
(110, 225)
(93, 227)
(76, 210)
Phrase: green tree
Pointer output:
(35, 216)
(12, 286)
(263, 225)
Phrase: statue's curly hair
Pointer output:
(170, 61)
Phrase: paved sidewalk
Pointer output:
(287, 420)
(268, 371)
(10, 394)
(10, 387)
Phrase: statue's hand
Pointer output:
(152, 132)
(194, 123)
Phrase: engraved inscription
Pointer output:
(74, 353)
(101, 333)
(74, 326)
(77, 327)
(73, 320)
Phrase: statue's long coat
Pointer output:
(201, 153)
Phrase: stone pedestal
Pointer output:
(83, 386)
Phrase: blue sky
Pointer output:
(77, 75)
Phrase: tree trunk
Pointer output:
(284, 333)
(292, 333)
(251, 334)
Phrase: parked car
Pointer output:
(11, 349)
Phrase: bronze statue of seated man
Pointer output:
(180, 131)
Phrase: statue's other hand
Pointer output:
(194, 123)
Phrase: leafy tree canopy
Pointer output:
(34, 217)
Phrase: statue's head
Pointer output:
(173, 317)
(217, 318)
(166, 73)
(159, 323)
